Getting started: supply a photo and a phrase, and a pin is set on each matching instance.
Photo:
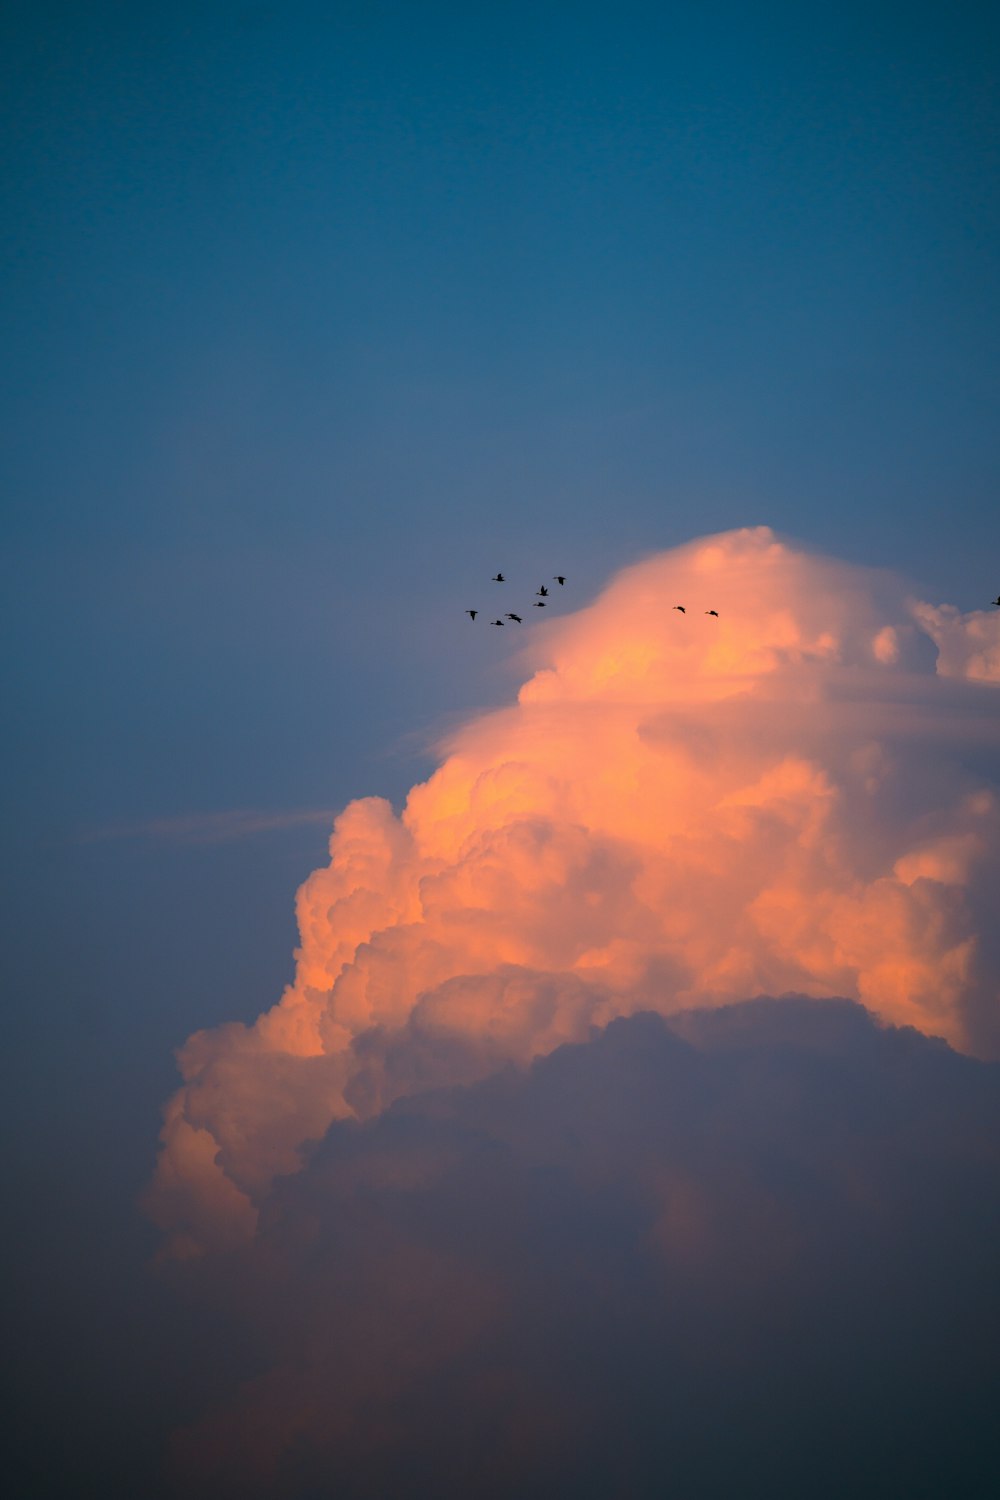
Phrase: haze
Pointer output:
(315, 317)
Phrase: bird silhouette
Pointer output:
(497, 622)
(558, 579)
(514, 617)
(681, 608)
(543, 591)
(996, 600)
(539, 603)
(472, 613)
(498, 578)
(714, 612)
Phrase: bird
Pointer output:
(514, 617)
(539, 603)
(558, 579)
(714, 612)
(543, 591)
(498, 578)
(681, 608)
(996, 600)
(497, 622)
(472, 613)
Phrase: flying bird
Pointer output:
(514, 617)
(472, 613)
(498, 578)
(539, 603)
(543, 591)
(497, 622)
(558, 579)
(996, 600)
(714, 612)
(681, 608)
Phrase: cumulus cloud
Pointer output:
(679, 810)
(749, 1251)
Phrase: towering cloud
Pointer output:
(680, 810)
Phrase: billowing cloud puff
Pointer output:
(798, 795)
(968, 645)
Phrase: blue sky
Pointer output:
(316, 315)
(313, 316)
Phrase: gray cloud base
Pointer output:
(749, 1251)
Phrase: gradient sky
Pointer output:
(313, 316)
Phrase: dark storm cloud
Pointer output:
(750, 1252)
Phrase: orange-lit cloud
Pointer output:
(679, 810)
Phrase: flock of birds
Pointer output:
(542, 600)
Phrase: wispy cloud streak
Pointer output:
(210, 827)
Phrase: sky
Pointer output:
(314, 317)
